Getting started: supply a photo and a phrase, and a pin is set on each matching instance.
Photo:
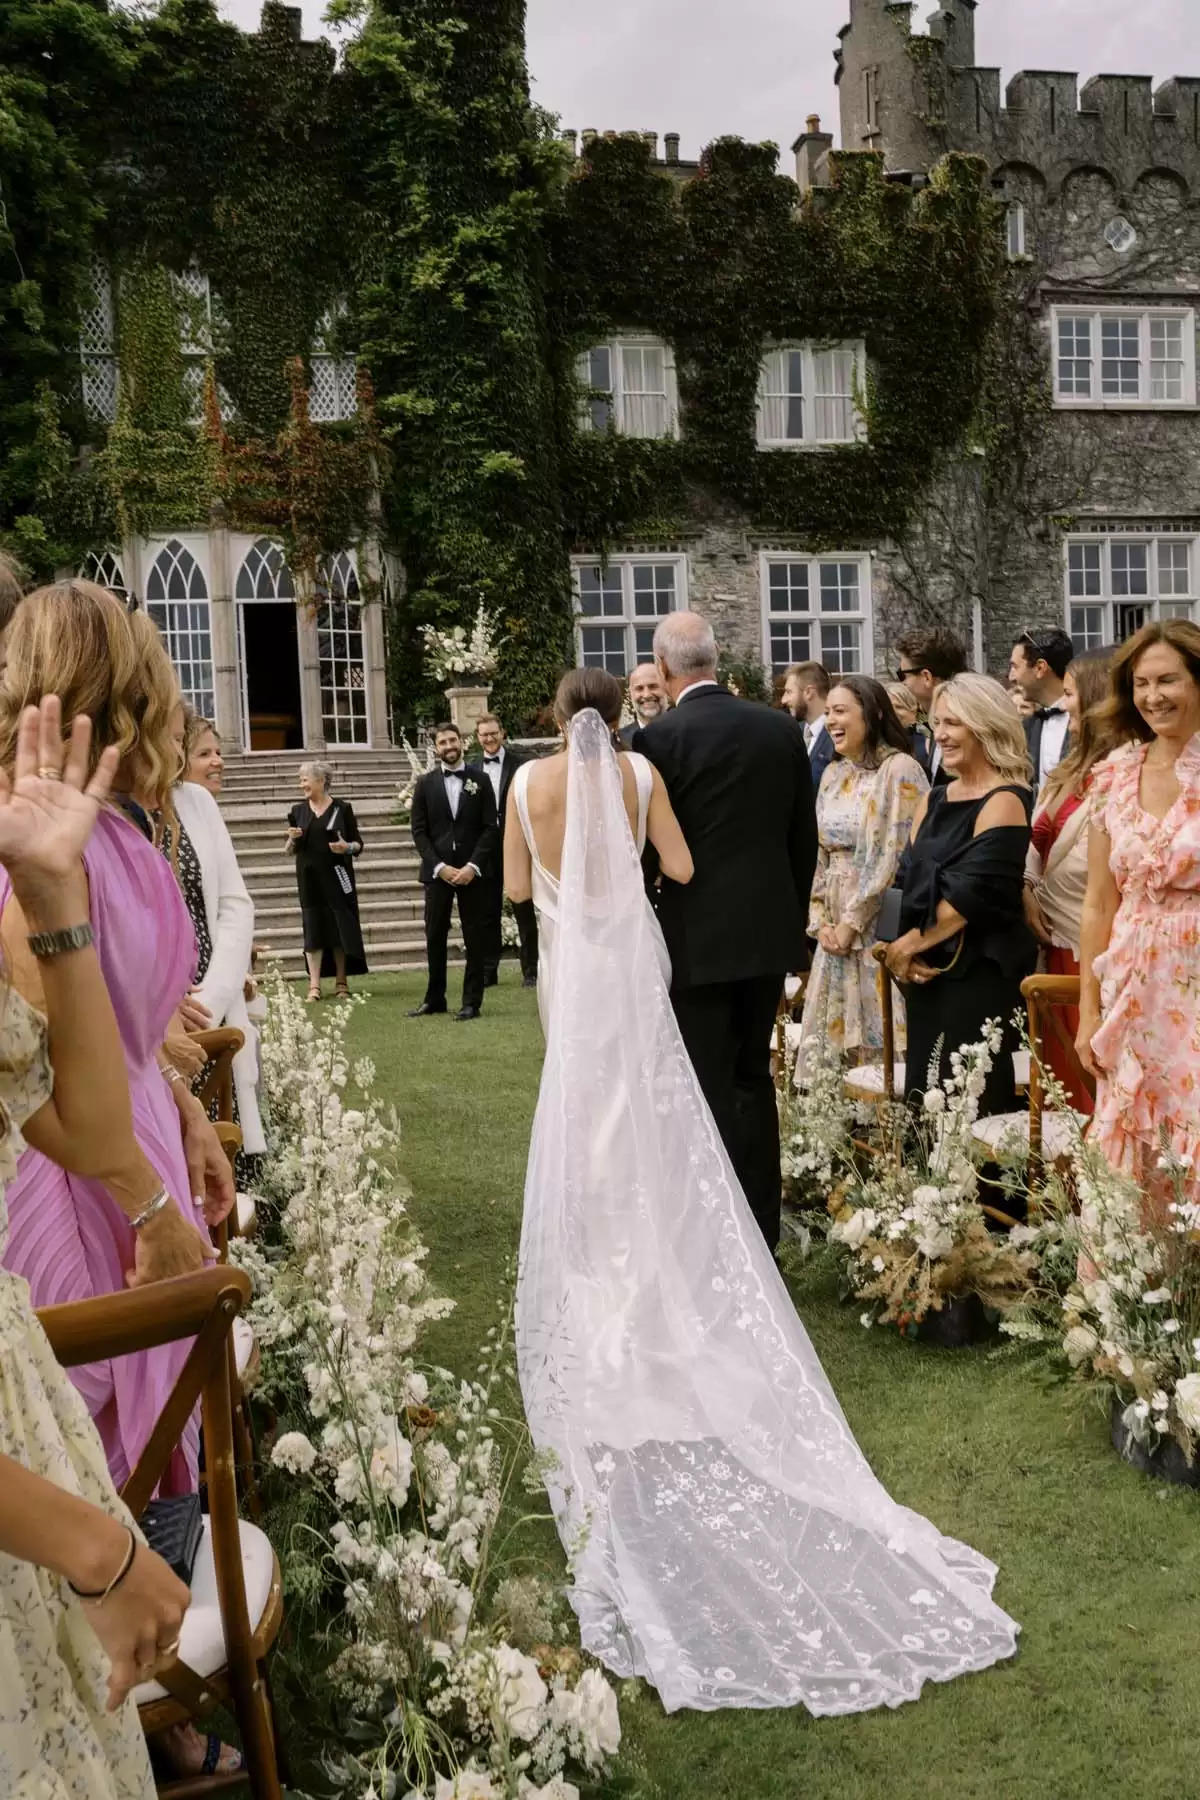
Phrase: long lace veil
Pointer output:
(727, 1538)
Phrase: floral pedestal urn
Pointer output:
(958, 1323)
(467, 706)
(1165, 1461)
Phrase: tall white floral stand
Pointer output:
(467, 706)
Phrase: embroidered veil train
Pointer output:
(728, 1540)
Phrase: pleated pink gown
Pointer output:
(67, 1236)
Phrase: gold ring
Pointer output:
(169, 1649)
(46, 773)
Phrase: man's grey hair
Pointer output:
(318, 771)
(685, 643)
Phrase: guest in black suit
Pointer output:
(929, 656)
(454, 830)
(739, 781)
(805, 690)
(500, 764)
(1040, 660)
(647, 697)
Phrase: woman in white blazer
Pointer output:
(229, 916)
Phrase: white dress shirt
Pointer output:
(812, 731)
(454, 779)
(493, 768)
(694, 687)
(1054, 741)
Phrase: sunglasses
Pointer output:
(1039, 645)
(903, 674)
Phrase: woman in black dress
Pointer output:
(323, 836)
(965, 948)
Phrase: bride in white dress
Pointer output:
(727, 1538)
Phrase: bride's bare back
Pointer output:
(546, 803)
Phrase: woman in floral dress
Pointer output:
(865, 809)
(86, 1609)
(1139, 1029)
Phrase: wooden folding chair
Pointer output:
(1050, 1135)
(237, 1598)
(220, 1048)
(244, 1364)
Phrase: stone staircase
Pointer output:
(257, 792)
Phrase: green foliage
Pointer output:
(725, 262)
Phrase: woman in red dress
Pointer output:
(1056, 868)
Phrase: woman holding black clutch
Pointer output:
(964, 947)
(323, 836)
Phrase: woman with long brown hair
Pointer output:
(72, 1238)
(1139, 1027)
(1056, 866)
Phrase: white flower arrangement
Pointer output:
(462, 656)
(405, 1465)
(910, 1223)
(416, 768)
(816, 1124)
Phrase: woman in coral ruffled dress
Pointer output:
(1139, 1027)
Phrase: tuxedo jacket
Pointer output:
(820, 755)
(1034, 728)
(472, 837)
(508, 768)
(739, 780)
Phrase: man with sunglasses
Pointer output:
(1040, 660)
(928, 657)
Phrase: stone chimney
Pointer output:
(811, 151)
(295, 23)
(571, 140)
(588, 136)
(671, 146)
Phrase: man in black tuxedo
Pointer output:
(647, 697)
(929, 656)
(454, 829)
(1040, 660)
(500, 764)
(739, 780)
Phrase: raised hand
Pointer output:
(48, 807)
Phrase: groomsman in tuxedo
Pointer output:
(500, 764)
(929, 656)
(805, 690)
(647, 697)
(454, 830)
(739, 780)
(1040, 660)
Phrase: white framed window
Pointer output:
(106, 569)
(193, 297)
(177, 600)
(618, 605)
(806, 395)
(1123, 357)
(333, 390)
(97, 343)
(1014, 232)
(341, 652)
(629, 387)
(1116, 584)
(817, 609)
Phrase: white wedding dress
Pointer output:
(726, 1536)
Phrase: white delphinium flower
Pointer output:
(1080, 1344)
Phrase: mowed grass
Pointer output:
(1100, 1565)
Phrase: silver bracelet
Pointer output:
(57, 943)
(169, 1073)
(151, 1209)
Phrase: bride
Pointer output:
(727, 1539)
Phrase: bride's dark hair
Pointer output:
(589, 687)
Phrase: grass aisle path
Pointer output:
(1101, 1566)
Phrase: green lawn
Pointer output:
(1100, 1565)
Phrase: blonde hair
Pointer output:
(984, 707)
(76, 640)
(903, 703)
(195, 727)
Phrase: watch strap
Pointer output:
(57, 943)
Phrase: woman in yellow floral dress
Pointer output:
(86, 1609)
(1139, 1030)
(865, 809)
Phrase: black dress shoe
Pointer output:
(425, 1011)
(466, 1012)
(492, 978)
(529, 981)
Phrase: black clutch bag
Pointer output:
(887, 920)
(173, 1529)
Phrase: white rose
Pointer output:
(926, 1196)
(598, 1719)
(935, 1241)
(856, 1229)
(468, 1784)
(935, 1101)
(294, 1453)
(1156, 1297)
(555, 1789)
(1080, 1344)
(520, 1691)
(1187, 1402)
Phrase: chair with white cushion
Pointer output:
(1044, 1135)
(237, 1601)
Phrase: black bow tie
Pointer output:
(490, 759)
(1049, 712)
(456, 774)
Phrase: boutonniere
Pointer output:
(470, 787)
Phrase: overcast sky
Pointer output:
(756, 68)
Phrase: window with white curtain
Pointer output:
(806, 395)
(817, 609)
(1116, 584)
(1124, 357)
(629, 387)
(618, 605)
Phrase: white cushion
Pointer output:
(1010, 1131)
(866, 1082)
(1022, 1062)
(243, 1346)
(245, 1213)
(202, 1642)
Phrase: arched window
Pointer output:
(264, 575)
(177, 601)
(105, 569)
(340, 652)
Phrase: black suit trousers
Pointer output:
(727, 1030)
(474, 917)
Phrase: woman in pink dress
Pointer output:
(73, 1238)
(1139, 1029)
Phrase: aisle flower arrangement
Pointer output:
(816, 1123)
(460, 656)
(908, 1222)
(449, 1679)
